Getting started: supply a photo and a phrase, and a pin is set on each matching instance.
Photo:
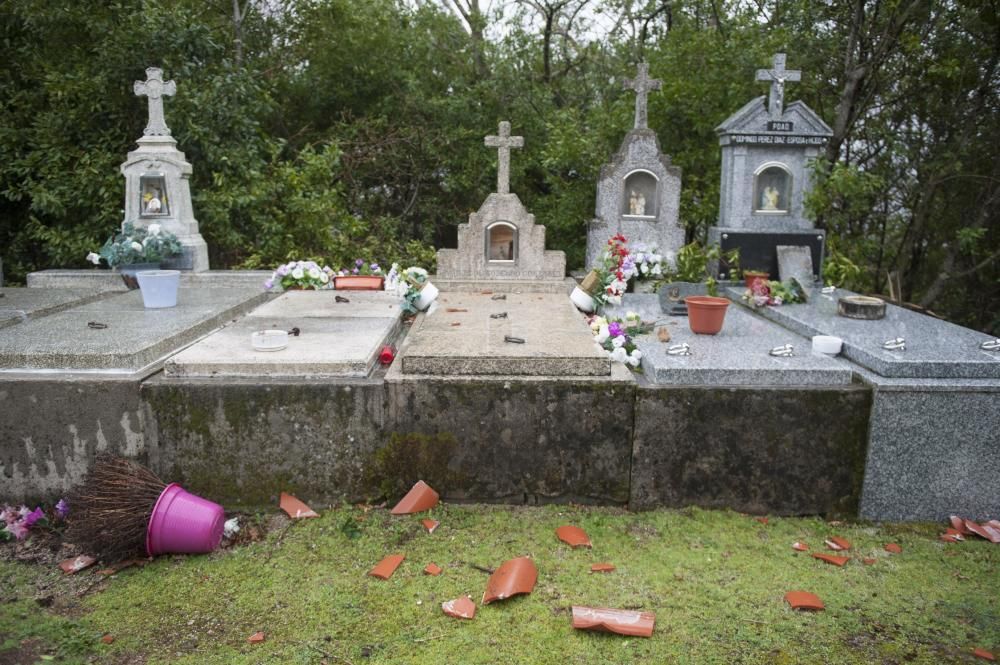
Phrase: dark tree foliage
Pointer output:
(342, 129)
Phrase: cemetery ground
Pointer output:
(714, 579)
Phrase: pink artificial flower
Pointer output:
(31, 518)
(18, 530)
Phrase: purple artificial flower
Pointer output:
(269, 284)
(374, 267)
(359, 263)
(615, 329)
(62, 509)
(282, 270)
(355, 271)
(31, 518)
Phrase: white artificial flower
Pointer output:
(632, 361)
(777, 300)
(618, 341)
(615, 300)
(644, 268)
(324, 278)
(231, 527)
(94, 258)
(137, 247)
(297, 273)
(637, 354)
(631, 316)
(619, 355)
(657, 269)
(602, 334)
(154, 229)
(314, 273)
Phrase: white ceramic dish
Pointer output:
(269, 340)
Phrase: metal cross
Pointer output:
(155, 88)
(504, 143)
(778, 75)
(642, 84)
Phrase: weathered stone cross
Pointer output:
(778, 75)
(154, 88)
(504, 143)
(642, 84)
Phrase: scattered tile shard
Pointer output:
(295, 508)
(800, 546)
(762, 520)
(984, 654)
(387, 566)
(514, 576)
(983, 531)
(951, 537)
(893, 548)
(803, 600)
(108, 638)
(460, 608)
(430, 525)
(869, 561)
(256, 638)
(432, 569)
(573, 536)
(602, 568)
(622, 622)
(829, 558)
(455, 309)
(420, 498)
(837, 544)
(76, 564)
(958, 524)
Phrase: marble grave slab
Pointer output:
(21, 304)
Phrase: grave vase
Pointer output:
(159, 287)
(428, 293)
(706, 314)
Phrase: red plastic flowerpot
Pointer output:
(706, 314)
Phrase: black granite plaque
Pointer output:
(758, 250)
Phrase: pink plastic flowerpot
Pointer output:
(183, 523)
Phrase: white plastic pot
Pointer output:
(583, 300)
(428, 294)
(159, 287)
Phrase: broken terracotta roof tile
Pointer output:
(514, 576)
(958, 524)
(432, 569)
(256, 638)
(893, 548)
(837, 544)
(800, 547)
(950, 537)
(420, 498)
(430, 525)
(984, 654)
(622, 622)
(954, 532)
(986, 531)
(829, 558)
(762, 520)
(76, 564)
(295, 508)
(460, 608)
(869, 561)
(602, 568)
(387, 566)
(573, 536)
(803, 600)
(108, 638)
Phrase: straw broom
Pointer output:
(109, 513)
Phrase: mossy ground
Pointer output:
(714, 579)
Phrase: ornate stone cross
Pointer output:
(504, 143)
(642, 84)
(778, 75)
(155, 88)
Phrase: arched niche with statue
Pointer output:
(640, 194)
(501, 242)
(772, 189)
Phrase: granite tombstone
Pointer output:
(638, 192)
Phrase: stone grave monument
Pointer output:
(638, 193)
(501, 242)
(157, 189)
(766, 149)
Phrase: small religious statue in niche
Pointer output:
(772, 190)
(639, 198)
(501, 242)
(154, 199)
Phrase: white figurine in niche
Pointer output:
(769, 199)
(153, 205)
(637, 203)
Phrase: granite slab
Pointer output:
(934, 349)
(737, 356)
(557, 341)
(135, 338)
(107, 280)
(336, 338)
(21, 304)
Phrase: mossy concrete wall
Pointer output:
(51, 428)
(788, 450)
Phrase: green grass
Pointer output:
(714, 579)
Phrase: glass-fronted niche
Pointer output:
(501, 243)
(153, 195)
(639, 197)
(772, 189)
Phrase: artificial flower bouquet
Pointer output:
(137, 244)
(773, 293)
(616, 337)
(17, 522)
(300, 275)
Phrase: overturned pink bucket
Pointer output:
(183, 523)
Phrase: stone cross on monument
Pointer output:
(504, 143)
(155, 88)
(778, 75)
(642, 84)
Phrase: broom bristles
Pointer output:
(110, 511)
